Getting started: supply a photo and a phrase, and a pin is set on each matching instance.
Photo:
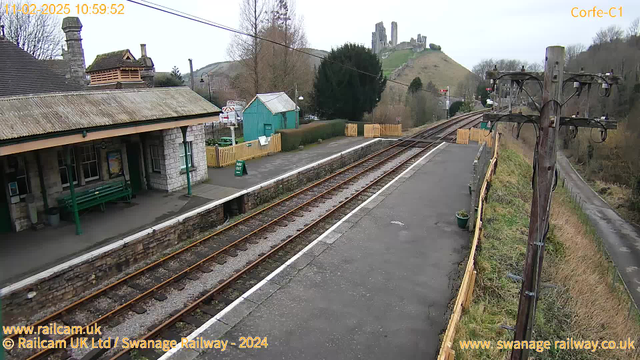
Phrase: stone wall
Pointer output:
(172, 141)
(272, 191)
(76, 280)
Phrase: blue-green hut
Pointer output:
(267, 113)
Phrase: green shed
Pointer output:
(268, 113)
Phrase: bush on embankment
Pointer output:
(586, 301)
(310, 133)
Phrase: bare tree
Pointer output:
(246, 49)
(610, 34)
(38, 34)
(572, 51)
(633, 28)
(482, 67)
(286, 67)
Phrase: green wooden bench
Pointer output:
(97, 196)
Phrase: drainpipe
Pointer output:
(186, 157)
(43, 189)
(74, 204)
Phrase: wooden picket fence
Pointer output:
(480, 136)
(462, 136)
(225, 156)
(377, 130)
(351, 130)
(465, 293)
(390, 129)
(371, 130)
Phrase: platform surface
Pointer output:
(378, 288)
(28, 252)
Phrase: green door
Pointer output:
(5, 215)
(133, 159)
(268, 130)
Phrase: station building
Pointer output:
(60, 135)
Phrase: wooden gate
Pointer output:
(462, 136)
(391, 129)
(351, 130)
(371, 130)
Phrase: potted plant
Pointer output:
(463, 217)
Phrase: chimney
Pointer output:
(74, 56)
(148, 71)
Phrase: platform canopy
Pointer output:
(31, 122)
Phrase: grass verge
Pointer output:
(587, 300)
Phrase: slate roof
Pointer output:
(277, 102)
(25, 116)
(21, 73)
(113, 60)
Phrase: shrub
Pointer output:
(310, 133)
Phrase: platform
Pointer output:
(375, 287)
(29, 252)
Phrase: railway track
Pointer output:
(109, 306)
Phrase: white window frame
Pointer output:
(156, 158)
(93, 154)
(189, 153)
(61, 157)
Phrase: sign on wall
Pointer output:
(114, 160)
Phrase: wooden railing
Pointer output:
(465, 293)
(225, 156)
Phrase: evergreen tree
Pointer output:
(343, 92)
(175, 73)
(415, 86)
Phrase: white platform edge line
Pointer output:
(121, 243)
(275, 272)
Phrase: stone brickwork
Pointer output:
(272, 191)
(172, 142)
(69, 284)
(74, 55)
(51, 175)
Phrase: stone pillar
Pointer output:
(74, 55)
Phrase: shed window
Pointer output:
(89, 162)
(189, 155)
(64, 174)
(156, 157)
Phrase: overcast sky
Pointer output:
(467, 30)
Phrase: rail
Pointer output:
(465, 293)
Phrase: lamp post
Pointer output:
(208, 83)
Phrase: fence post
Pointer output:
(217, 151)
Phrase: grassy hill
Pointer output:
(429, 65)
(231, 68)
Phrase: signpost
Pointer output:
(241, 168)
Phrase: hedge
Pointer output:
(310, 133)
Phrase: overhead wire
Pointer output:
(203, 21)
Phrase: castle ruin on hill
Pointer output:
(379, 41)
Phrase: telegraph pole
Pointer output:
(543, 182)
(548, 124)
(191, 76)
